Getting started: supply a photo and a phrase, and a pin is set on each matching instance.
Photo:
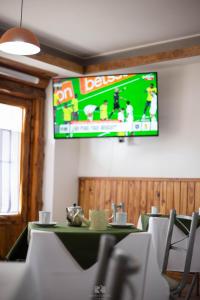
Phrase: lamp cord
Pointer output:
(20, 25)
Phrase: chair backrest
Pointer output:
(106, 246)
(189, 250)
(122, 267)
(172, 218)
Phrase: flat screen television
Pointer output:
(121, 105)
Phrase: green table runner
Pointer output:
(18, 251)
(81, 242)
(182, 223)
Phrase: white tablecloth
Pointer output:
(55, 275)
(158, 228)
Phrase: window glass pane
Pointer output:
(10, 146)
(11, 117)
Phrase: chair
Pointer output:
(113, 269)
(176, 287)
(172, 218)
(106, 246)
(122, 267)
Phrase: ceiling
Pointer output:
(97, 28)
(90, 36)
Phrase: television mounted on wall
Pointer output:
(123, 105)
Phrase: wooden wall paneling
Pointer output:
(131, 200)
(125, 194)
(163, 197)
(107, 199)
(143, 199)
(177, 196)
(137, 197)
(96, 203)
(139, 194)
(183, 197)
(113, 191)
(119, 198)
(191, 198)
(157, 194)
(170, 196)
(197, 196)
(102, 194)
(150, 195)
(86, 198)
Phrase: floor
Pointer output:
(194, 297)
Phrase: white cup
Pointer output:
(199, 210)
(121, 218)
(154, 210)
(44, 217)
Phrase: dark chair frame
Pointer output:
(176, 291)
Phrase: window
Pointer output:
(11, 122)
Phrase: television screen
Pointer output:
(106, 106)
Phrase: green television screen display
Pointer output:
(106, 106)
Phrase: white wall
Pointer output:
(175, 153)
(65, 176)
(60, 180)
(48, 176)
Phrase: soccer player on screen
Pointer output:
(121, 116)
(153, 107)
(151, 90)
(67, 114)
(75, 108)
(116, 105)
(89, 111)
(104, 110)
(129, 112)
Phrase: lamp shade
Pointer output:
(19, 41)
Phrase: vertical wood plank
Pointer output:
(197, 196)
(157, 194)
(163, 197)
(107, 200)
(87, 197)
(143, 199)
(125, 184)
(113, 191)
(150, 196)
(131, 200)
(101, 194)
(137, 197)
(184, 196)
(177, 196)
(170, 197)
(96, 203)
(191, 199)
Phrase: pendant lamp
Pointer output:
(19, 41)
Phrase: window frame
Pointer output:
(26, 105)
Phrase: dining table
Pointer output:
(62, 262)
(157, 225)
(80, 241)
